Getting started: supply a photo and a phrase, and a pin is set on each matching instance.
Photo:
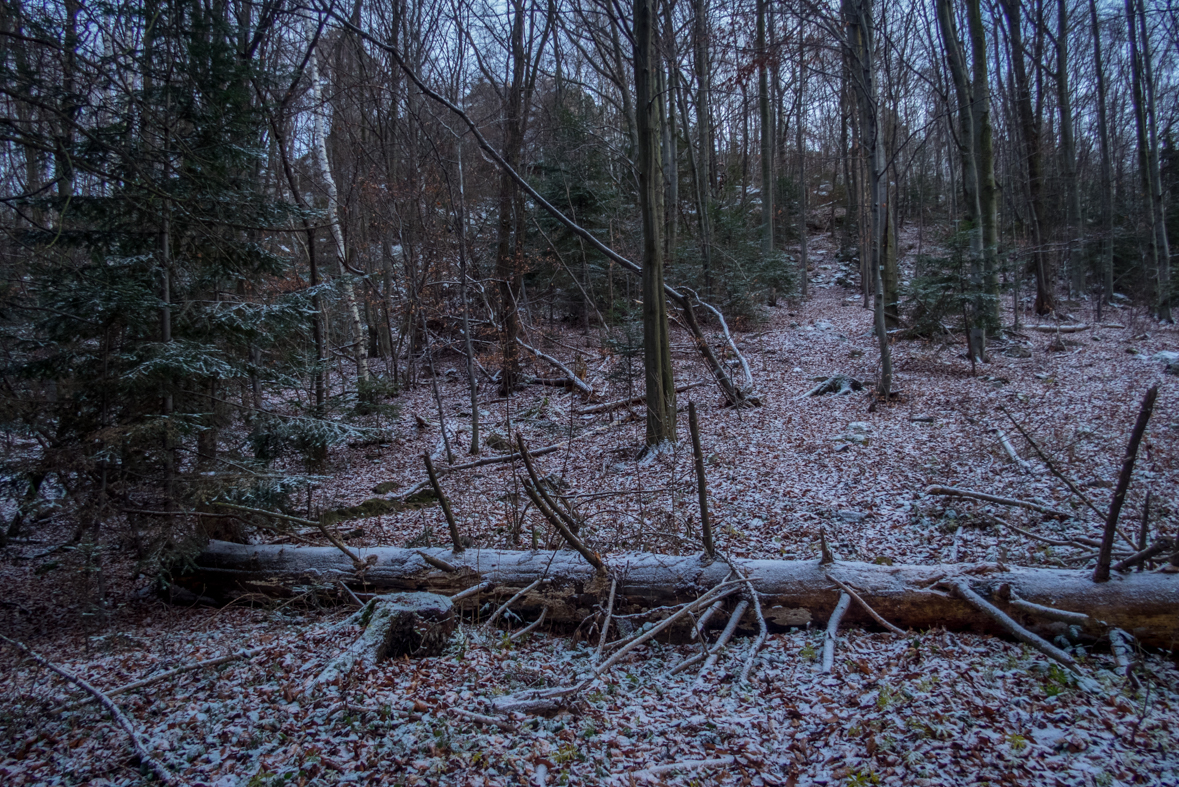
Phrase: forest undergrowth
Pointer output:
(923, 708)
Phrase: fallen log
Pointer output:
(792, 593)
(1057, 328)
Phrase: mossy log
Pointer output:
(793, 592)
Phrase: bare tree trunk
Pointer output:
(968, 149)
(1030, 136)
(1074, 240)
(506, 268)
(983, 138)
(359, 334)
(660, 385)
(671, 174)
(861, 42)
(800, 145)
(704, 137)
(1142, 75)
(1106, 255)
(766, 122)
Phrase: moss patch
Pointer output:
(376, 506)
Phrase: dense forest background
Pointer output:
(234, 231)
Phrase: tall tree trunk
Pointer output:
(1142, 74)
(766, 122)
(1073, 259)
(800, 145)
(671, 173)
(704, 137)
(968, 156)
(660, 385)
(984, 159)
(1106, 255)
(507, 270)
(861, 43)
(359, 334)
(1030, 136)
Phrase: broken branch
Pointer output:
(1101, 573)
(701, 482)
(158, 768)
(832, 629)
(456, 544)
(952, 491)
(964, 591)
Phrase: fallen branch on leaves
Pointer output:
(792, 593)
(158, 768)
(570, 377)
(952, 491)
(160, 677)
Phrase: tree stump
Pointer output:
(416, 625)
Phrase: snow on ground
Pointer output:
(932, 707)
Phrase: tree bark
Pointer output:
(794, 593)
(800, 145)
(660, 385)
(1073, 260)
(506, 268)
(861, 42)
(1106, 255)
(1141, 72)
(767, 133)
(988, 190)
(704, 137)
(1029, 130)
(359, 334)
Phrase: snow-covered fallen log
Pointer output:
(792, 593)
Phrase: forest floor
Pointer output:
(927, 708)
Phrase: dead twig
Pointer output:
(1048, 462)
(722, 640)
(163, 676)
(1139, 558)
(606, 407)
(678, 765)
(512, 601)
(1008, 594)
(572, 378)
(479, 718)
(350, 594)
(437, 562)
(158, 768)
(762, 633)
(473, 590)
(606, 625)
(512, 638)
